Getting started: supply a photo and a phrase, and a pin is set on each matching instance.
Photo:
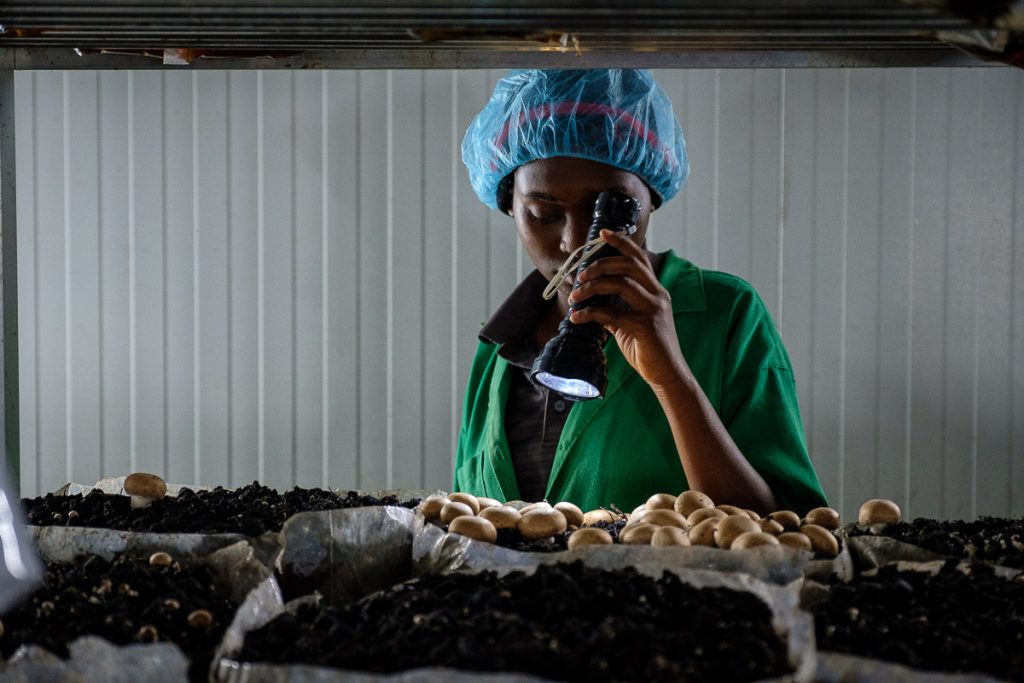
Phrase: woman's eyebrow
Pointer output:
(542, 197)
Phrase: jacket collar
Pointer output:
(685, 284)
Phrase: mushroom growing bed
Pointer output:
(941, 617)
(126, 600)
(250, 510)
(994, 540)
(565, 622)
(620, 615)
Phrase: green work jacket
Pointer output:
(619, 450)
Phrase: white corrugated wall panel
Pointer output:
(229, 276)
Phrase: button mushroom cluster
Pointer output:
(481, 518)
(692, 518)
(688, 519)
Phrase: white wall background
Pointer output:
(279, 275)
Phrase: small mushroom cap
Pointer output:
(430, 507)
(795, 539)
(573, 514)
(454, 509)
(542, 505)
(501, 517)
(700, 514)
(200, 618)
(730, 528)
(665, 517)
(589, 536)
(160, 559)
(689, 501)
(704, 532)
(823, 542)
(879, 511)
(599, 515)
(467, 498)
(824, 517)
(770, 526)
(753, 539)
(488, 502)
(541, 523)
(145, 485)
(753, 515)
(476, 528)
(669, 535)
(147, 633)
(732, 510)
(661, 501)
(639, 534)
(789, 520)
(637, 514)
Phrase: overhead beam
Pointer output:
(553, 57)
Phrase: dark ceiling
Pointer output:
(492, 33)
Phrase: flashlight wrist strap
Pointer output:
(571, 263)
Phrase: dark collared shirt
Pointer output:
(534, 416)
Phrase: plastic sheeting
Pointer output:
(346, 554)
(19, 567)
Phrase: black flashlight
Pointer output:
(573, 363)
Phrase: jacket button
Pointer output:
(559, 406)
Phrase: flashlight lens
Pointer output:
(570, 388)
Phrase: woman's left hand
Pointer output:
(644, 329)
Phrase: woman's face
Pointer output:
(553, 206)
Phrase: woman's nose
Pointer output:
(574, 230)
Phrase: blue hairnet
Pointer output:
(619, 117)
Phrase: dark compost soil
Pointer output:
(565, 622)
(250, 510)
(947, 622)
(116, 600)
(989, 539)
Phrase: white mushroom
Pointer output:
(701, 514)
(454, 509)
(879, 511)
(797, 540)
(430, 507)
(598, 515)
(502, 517)
(573, 515)
(589, 536)
(144, 488)
(639, 534)
(753, 539)
(789, 520)
(466, 499)
(665, 517)
(541, 523)
(669, 535)
(476, 528)
(732, 527)
(823, 517)
(703, 533)
(661, 501)
(822, 540)
(689, 501)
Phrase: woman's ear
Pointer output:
(505, 190)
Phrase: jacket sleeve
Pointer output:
(474, 409)
(760, 408)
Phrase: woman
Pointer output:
(700, 389)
